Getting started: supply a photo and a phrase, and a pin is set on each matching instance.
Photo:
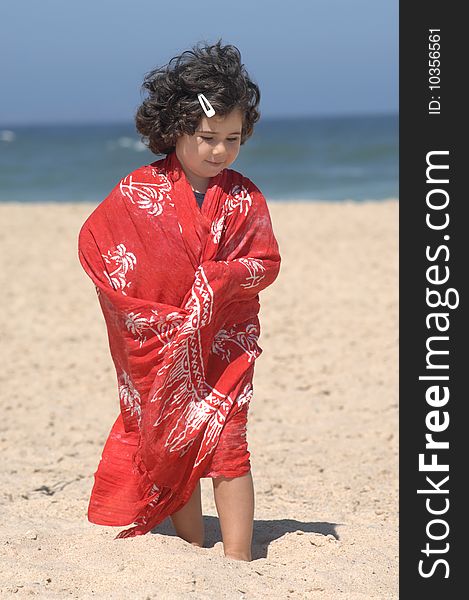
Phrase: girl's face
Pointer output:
(213, 147)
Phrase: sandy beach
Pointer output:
(322, 427)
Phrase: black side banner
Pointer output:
(434, 357)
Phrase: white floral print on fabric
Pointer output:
(246, 395)
(256, 271)
(183, 354)
(163, 327)
(183, 368)
(217, 229)
(130, 397)
(211, 411)
(245, 339)
(222, 404)
(197, 402)
(238, 198)
(120, 262)
(155, 491)
(200, 302)
(150, 197)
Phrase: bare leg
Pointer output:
(234, 499)
(188, 521)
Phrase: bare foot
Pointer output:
(239, 556)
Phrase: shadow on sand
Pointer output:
(265, 532)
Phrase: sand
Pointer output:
(322, 430)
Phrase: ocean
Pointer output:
(304, 158)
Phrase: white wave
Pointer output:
(139, 146)
(6, 135)
(127, 142)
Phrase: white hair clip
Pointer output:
(206, 106)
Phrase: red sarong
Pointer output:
(179, 289)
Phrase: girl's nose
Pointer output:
(219, 148)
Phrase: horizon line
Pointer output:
(272, 117)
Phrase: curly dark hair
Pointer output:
(172, 107)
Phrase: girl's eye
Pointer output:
(209, 139)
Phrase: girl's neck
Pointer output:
(198, 184)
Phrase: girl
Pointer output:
(178, 253)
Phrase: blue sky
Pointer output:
(85, 61)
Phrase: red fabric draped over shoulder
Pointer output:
(179, 289)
